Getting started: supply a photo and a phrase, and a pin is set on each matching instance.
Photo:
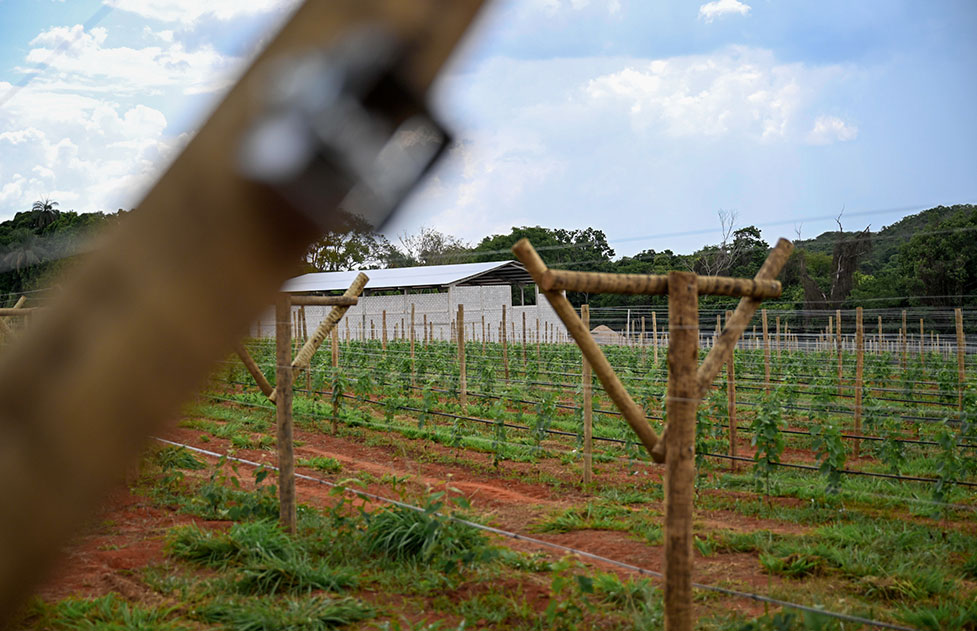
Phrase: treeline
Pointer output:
(926, 259)
(35, 245)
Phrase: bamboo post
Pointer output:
(462, 380)
(654, 334)
(483, 333)
(425, 330)
(961, 350)
(412, 336)
(505, 352)
(539, 359)
(776, 338)
(681, 403)
(922, 342)
(905, 334)
(766, 351)
(363, 326)
(283, 407)
(838, 348)
(383, 333)
(335, 366)
(335, 348)
(731, 399)
(588, 412)
(879, 349)
(859, 363)
(642, 341)
(524, 340)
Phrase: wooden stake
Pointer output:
(462, 379)
(777, 343)
(961, 357)
(922, 343)
(505, 352)
(905, 342)
(425, 330)
(859, 360)
(654, 334)
(383, 333)
(766, 352)
(838, 345)
(642, 341)
(731, 399)
(879, 349)
(681, 403)
(588, 411)
(283, 407)
(524, 340)
(335, 348)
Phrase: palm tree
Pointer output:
(45, 212)
(24, 250)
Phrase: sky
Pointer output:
(643, 118)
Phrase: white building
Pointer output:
(433, 292)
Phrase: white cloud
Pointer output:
(831, 129)
(553, 6)
(89, 64)
(189, 11)
(91, 153)
(719, 8)
(737, 91)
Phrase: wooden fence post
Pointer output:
(642, 341)
(383, 334)
(335, 366)
(777, 343)
(681, 403)
(905, 342)
(654, 334)
(539, 359)
(462, 380)
(425, 329)
(879, 349)
(524, 341)
(859, 362)
(731, 399)
(922, 343)
(505, 352)
(766, 350)
(283, 407)
(838, 347)
(483, 333)
(588, 418)
(961, 357)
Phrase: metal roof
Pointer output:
(425, 277)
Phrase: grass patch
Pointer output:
(315, 613)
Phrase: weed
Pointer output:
(266, 614)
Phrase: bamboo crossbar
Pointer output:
(6, 312)
(325, 301)
(252, 366)
(654, 284)
(632, 413)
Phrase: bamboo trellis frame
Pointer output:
(688, 381)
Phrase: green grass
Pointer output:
(314, 613)
(320, 463)
(108, 613)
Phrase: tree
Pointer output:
(429, 247)
(44, 213)
(940, 262)
(848, 249)
(352, 244)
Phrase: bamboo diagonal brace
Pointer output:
(304, 356)
(745, 310)
(630, 410)
(252, 366)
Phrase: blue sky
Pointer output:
(642, 119)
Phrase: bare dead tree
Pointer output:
(716, 261)
(848, 250)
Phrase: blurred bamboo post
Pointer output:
(642, 341)
(363, 326)
(961, 357)
(654, 334)
(283, 407)
(838, 348)
(731, 399)
(412, 337)
(305, 324)
(922, 343)
(505, 352)
(539, 359)
(879, 349)
(859, 363)
(905, 342)
(383, 332)
(462, 379)
(524, 341)
(588, 412)
(335, 348)
(766, 350)
(483, 333)
(335, 367)
(777, 343)
(425, 329)
(681, 403)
